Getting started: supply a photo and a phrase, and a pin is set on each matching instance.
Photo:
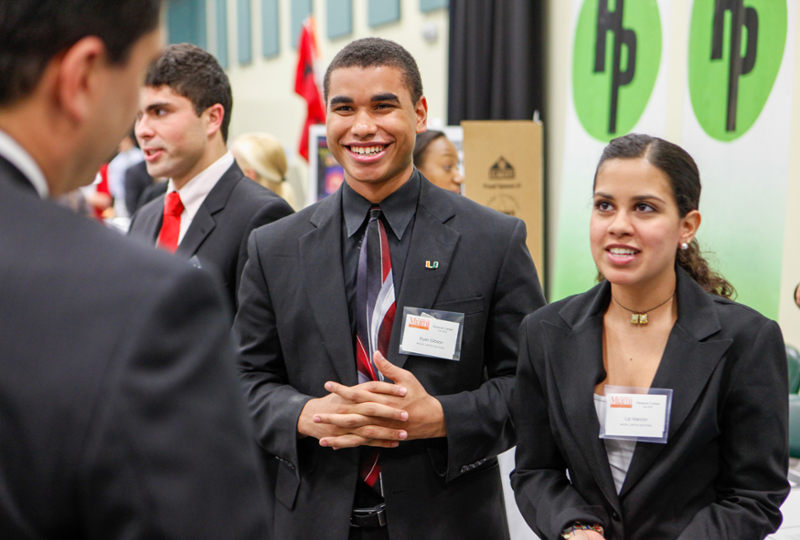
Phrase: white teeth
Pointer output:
(366, 150)
(622, 251)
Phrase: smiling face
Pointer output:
(440, 165)
(635, 226)
(177, 143)
(372, 125)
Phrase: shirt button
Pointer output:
(614, 515)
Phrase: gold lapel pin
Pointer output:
(432, 265)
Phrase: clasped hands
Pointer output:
(373, 413)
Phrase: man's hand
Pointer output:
(424, 420)
(355, 415)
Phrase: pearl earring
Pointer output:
(684, 246)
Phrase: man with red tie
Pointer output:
(387, 267)
(210, 207)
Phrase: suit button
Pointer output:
(615, 516)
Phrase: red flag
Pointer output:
(305, 83)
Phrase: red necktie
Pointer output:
(171, 225)
(375, 305)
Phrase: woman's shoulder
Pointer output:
(738, 318)
(570, 310)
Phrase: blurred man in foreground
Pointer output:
(120, 416)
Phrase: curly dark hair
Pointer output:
(377, 52)
(32, 32)
(196, 75)
(684, 178)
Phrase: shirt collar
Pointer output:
(197, 188)
(22, 160)
(398, 208)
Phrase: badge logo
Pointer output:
(735, 52)
(616, 59)
(432, 264)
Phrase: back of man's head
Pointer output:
(191, 72)
(32, 32)
(377, 52)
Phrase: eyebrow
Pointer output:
(388, 96)
(337, 100)
(637, 198)
(159, 105)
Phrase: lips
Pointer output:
(367, 153)
(622, 254)
(151, 154)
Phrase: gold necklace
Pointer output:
(640, 317)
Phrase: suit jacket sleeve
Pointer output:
(169, 452)
(275, 405)
(276, 209)
(754, 426)
(545, 496)
(478, 422)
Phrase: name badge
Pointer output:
(639, 414)
(432, 333)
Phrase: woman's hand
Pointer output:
(587, 535)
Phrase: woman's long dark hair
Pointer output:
(684, 179)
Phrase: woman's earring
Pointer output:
(684, 246)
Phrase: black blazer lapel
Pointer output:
(203, 222)
(323, 279)
(577, 370)
(688, 362)
(431, 240)
(147, 221)
(8, 170)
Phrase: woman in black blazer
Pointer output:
(660, 319)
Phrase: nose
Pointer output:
(142, 129)
(364, 126)
(457, 178)
(621, 224)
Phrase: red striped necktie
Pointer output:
(171, 224)
(375, 308)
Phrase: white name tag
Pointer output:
(643, 416)
(427, 336)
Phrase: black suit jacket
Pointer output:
(218, 234)
(294, 335)
(722, 473)
(137, 180)
(121, 413)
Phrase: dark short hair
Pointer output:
(684, 180)
(424, 140)
(377, 52)
(32, 32)
(196, 75)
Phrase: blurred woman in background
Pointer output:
(437, 159)
(262, 159)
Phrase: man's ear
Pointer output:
(421, 110)
(214, 117)
(78, 72)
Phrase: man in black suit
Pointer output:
(327, 294)
(121, 414)
(210, 207)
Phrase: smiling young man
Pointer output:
(210, 207)
(327, 294)
(121, 414)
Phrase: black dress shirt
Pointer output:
(399, 210)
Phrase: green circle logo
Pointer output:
(729, 90)
(615, 64)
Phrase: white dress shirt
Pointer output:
(195, 191)
(22, 160)
(620, 453)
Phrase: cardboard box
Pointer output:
(503, 170)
